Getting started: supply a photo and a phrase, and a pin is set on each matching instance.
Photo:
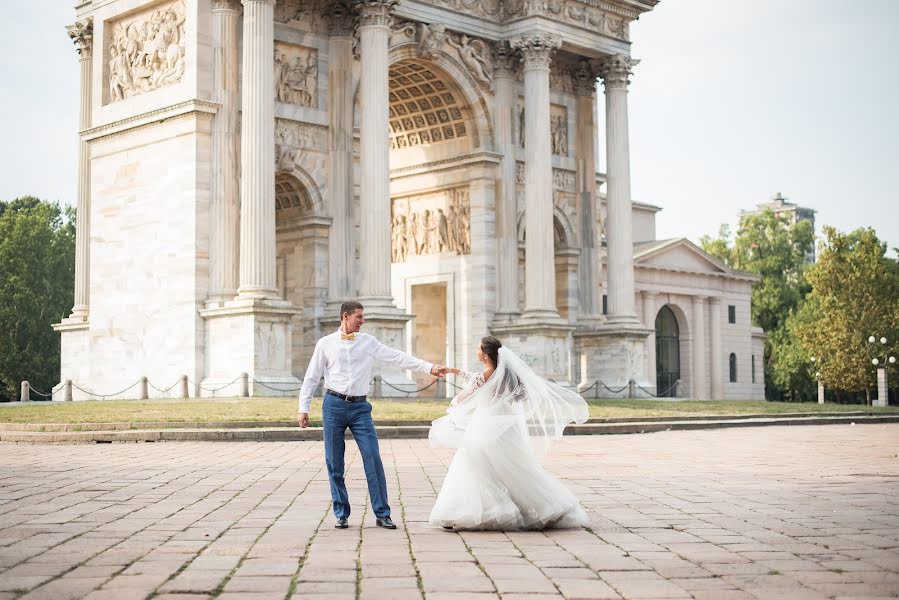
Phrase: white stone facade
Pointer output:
(248, 165)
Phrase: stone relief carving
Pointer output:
(430, 225)
(519, 172)
(558, 131)
(430, 39)
(291, 137)
(146, 52)
(481, 8)
(560, 78)
(564, 181)
(475, 55)
(296, 75)
(306, 11)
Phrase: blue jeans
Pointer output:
(337, 415)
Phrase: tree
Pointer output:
(790, 365)
(855, 294)
(37, 278)
(775, 249)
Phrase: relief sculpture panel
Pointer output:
(145, 51)
(296, 75)
(430, 225)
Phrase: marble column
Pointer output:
(715, 347)
(257, 153)
(699, 386)
(540, 289)
(82, 34)
(507, 199)
(585, 140)
(615, 72)
(224, 210)
(374, 35)
(340, 151)
(649, 322)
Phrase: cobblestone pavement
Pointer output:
(780, 512)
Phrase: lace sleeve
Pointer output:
(472, 382)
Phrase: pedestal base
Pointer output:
(609, 359)
(544, 346)
(250, 336)
(74, 334)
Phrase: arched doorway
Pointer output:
(667, 352)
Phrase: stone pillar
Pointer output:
(506, 196)
(699, 387)
(585, 154)
(883, 398)
(224, 210)
(374, 34)
(649, 322)
(257, 153)
(715, 348)
(540, 290)
(82, 34)
(820, 392)
(340, 148)
(616, 71)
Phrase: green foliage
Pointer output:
(774, 249)
(855, 294)
(37, 262)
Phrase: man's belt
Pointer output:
(345, 397)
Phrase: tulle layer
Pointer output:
(495, 482)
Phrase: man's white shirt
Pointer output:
(346, 365)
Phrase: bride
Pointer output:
(500, 422)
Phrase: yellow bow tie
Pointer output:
(345, 336)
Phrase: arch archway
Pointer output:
(566, 257)
(667, 352)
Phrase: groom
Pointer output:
(345, 359)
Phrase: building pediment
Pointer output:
(681, 255)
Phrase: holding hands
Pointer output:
(441, 371)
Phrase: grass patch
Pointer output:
(284, 409)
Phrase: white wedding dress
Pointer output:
(500, 426)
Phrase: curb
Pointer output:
(418, 431)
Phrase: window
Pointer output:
(753, 368)
(605, 304)
(731, 313)
(733, 367)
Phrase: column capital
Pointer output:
(585, 74)
(699, 299)
(537, 48)
(375, 13)
(341, 19)
(616, 70)
(82, 34)
(505, 60)
(225, 5)
(715, 300)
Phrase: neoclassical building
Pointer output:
(247, 166)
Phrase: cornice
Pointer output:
(151, 117)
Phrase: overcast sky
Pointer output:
(733, 101)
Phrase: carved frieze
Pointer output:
(430, 225)
(563, 181)
(296, 75)
(146, 51)
(292, 136)
(558, 130)
(475, 55)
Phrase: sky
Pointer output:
(733, 101)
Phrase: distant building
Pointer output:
(793, 212)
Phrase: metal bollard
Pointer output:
(244, 385)
(378, 391)
(182, 387)
(596, 390)
(67, 391)
(25, 394)
(142, 389)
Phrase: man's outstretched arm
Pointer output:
(404, 361)
(310, 382)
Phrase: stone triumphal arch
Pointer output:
(245, 166)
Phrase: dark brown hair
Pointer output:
(490, 346)
(349, 307)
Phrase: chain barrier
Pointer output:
(211, 390)
(618, 391)
(387, 383)
(38, 392)
(104, 396)
(165, 391)
(659, 395)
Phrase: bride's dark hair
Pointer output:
(490, 346)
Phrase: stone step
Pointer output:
(293, 433)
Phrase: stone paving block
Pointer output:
(582, 589)
(65, 588)
(268, 584)
(21, 583)
(388, 583)
(195, 581)
(305, 588)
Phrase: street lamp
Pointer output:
(881, 359)
(817, 362)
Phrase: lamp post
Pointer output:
(817, 362)
(881, 359)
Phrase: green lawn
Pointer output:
(284, 409)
